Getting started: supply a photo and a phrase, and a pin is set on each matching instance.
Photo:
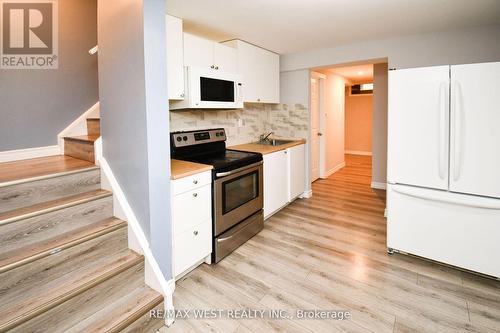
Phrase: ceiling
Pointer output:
(287, 26)
(354, 74)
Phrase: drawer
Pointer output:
(191, 182)
(191, 208)
(192, 246)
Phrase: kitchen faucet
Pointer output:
(265, 137)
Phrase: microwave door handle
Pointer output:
(238, 92)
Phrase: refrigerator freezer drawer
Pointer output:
(456, 229)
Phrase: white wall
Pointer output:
(334, 122)
(477, 44)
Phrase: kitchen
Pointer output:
(248, 115)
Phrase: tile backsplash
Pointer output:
(283, 119)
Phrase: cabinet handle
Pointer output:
(195, 195)
(195, 232)
(258, 99)
(286, 152)
(216, 67)
(182, 95)
(195, 182)
(212, 66)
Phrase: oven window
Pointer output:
(238, 191)
(216, 90)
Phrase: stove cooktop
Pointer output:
(226, 160)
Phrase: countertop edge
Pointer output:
(264, 149)
(181, 169)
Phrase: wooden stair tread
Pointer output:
(120, 314)
(41, 166)
(83, 138)
(63, 288)
(21, 256)
(49, 206)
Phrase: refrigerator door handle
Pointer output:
(458, 129)
(443, 107)
(464, 200)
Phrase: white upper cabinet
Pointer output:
(205, 53)
(260, 72)
(175, 55)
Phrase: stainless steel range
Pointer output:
(237, 186)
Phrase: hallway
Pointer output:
(329, 253)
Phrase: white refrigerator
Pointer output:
(443, 173)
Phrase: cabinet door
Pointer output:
(275, 182)
(225, 58)
(175, 58)
(475, 134)
(296, 171)
(198, 52)
(259, 70)
(418, 127)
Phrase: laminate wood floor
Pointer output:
(329, 252)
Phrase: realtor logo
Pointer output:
(29, 34)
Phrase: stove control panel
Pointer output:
(191, 138)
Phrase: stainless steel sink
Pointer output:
(273, 142)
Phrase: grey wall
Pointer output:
(295, 89)
(134, 113)
(478, 44)
(379, 124)
(35, 105)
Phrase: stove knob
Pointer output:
(217, 134)
(179, 139)
(185, 138)
(221, 133)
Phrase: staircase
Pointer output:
(82, 147)
(65, 265)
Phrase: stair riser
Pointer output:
(79, 149)
(59, 319)
(38, 191)
(40, 272)
(93, 127)
(146, 324)
(38, 228)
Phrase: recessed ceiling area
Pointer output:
(287, 26)
(353, 74)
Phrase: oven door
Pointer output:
(237, 195)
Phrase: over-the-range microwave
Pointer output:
(210, 89)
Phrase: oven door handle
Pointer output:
(228, 173)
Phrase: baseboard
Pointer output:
(307, 194)
(79, 126)
(379, 186)
(358, 152)
(333, 170)
(137, 240)
(23, 154)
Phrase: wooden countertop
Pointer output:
(265, 149)
(181, 169)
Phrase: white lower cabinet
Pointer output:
(296, 171)
(275, 182)
(191, 221)
(284, 178)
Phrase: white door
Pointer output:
(275, 182)
(315, 128)
(418, 127)
(225, 58)
(475, 129)
(175, 58)
(198, 52)
(296, 171)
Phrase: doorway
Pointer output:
(344, 126)
(317, 125)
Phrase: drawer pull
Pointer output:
(195, 182)
(195, 195)
(195, 232)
